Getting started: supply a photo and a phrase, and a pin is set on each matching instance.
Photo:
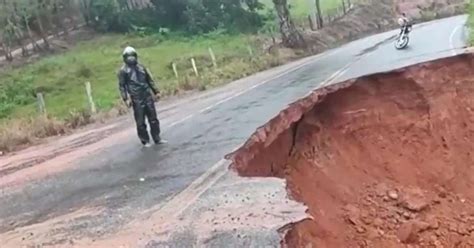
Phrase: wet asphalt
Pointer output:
(125, 180)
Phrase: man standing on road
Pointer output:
(138, 91)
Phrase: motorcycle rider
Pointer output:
(404, 21)
(138, 90)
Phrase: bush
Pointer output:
(25, 131)
(83, 71)
(208, 15)
(14, 92)
(106, 15)
(192, 16)
(78, 118)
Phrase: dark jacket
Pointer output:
(137, 82)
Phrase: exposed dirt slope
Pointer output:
(368, 17)
(381, 161)
(428, 9)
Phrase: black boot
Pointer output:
(160, 141)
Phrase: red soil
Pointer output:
(382, 161)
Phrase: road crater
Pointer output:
(384, 160)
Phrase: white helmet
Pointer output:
(129, 50)
(130, 55)
(401, 21)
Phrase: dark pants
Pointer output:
(408, 26)
(146, 108)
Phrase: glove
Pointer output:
(157, 97)
(128, 103)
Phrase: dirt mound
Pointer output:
(382, 161)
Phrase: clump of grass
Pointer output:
(78, 118)
(19, 132)
(84, 71)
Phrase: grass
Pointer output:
(300, 9)
(19, 132)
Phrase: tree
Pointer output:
(319, 14)
(291, 37)
(22, 20)
(25, 11)
(40, 10)
(85, 7)
(7, 39)
(106, 15)
(11, 31)
(193, 16)
(59, 15)
(14, 24)
(13, 28)
(201, 16)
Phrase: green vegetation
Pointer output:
(300, 9)
(61, 78)
(191, 16)
(173, 32)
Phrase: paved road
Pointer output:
(103, 190)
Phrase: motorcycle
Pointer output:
(402, 40)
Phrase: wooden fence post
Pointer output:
(193, 62)
(272, 34)
(41, 104)
(312, 26)
(312, 17)
(175, 70)
(213, 57)
(90, 99)
(250, 50)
